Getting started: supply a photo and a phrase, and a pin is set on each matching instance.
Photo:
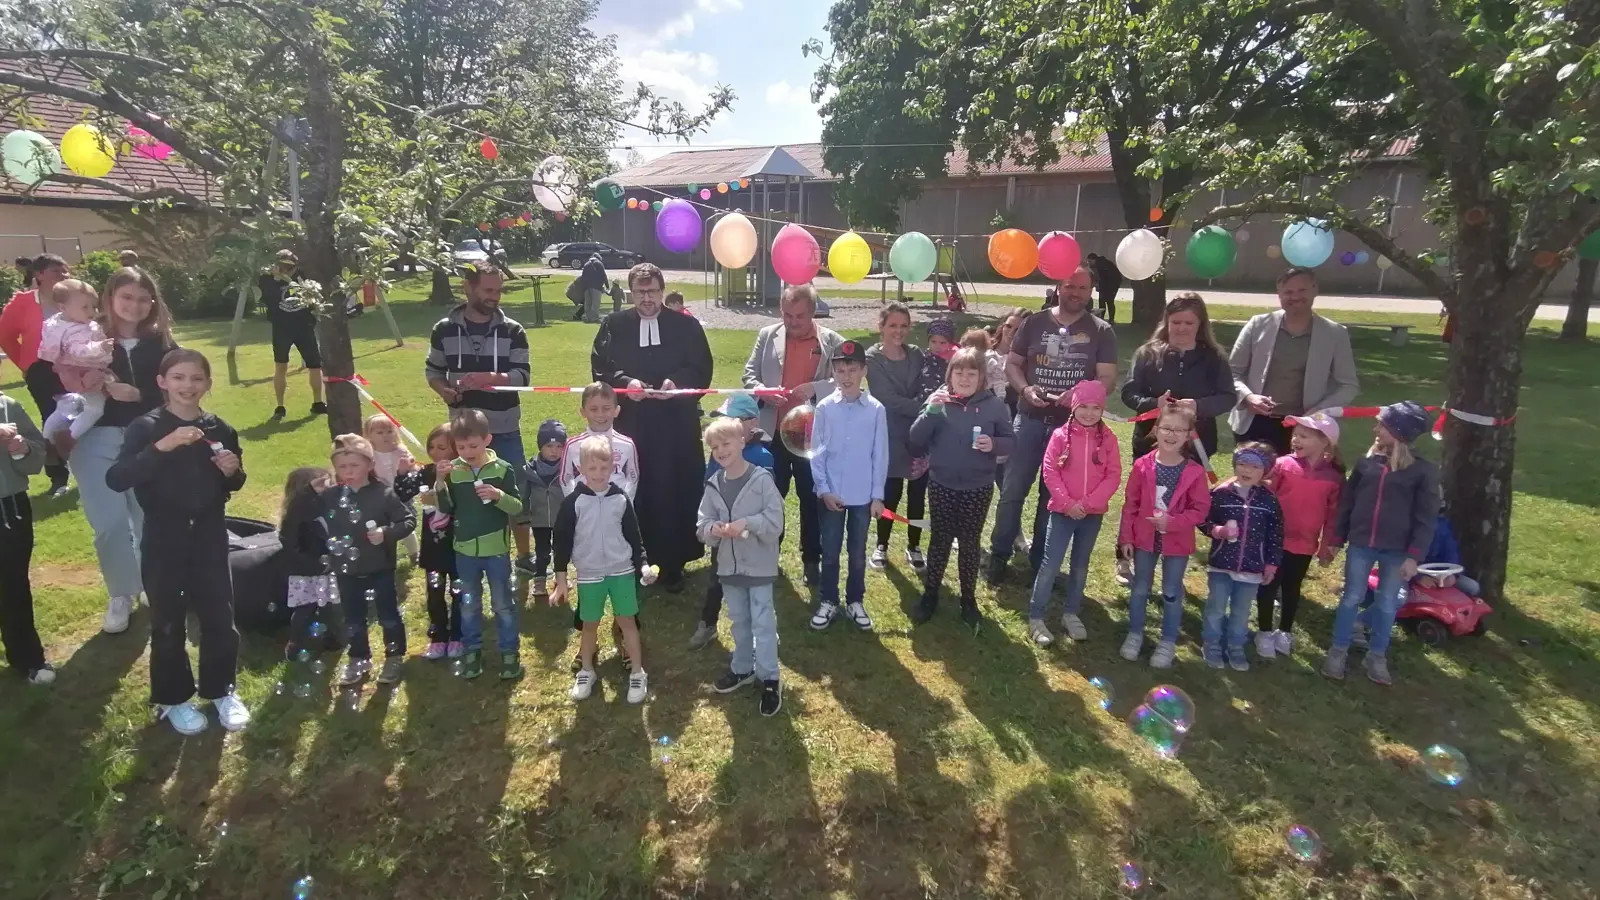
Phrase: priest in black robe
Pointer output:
(650, 346)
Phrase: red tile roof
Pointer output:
(52, 116)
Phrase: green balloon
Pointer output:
(1590, 248)
(609, 194)
(1210, 252)
(913, 257)
(656, 206)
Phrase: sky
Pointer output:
(683, 48)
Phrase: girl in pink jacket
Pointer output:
(1308, 484)
(1082, 469)
(1166, 500)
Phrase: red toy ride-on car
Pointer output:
(1436, 613)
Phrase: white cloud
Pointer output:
(682, 26)
(785, 94)
(680, 74)
(719, 6)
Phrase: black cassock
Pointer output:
(667, 431)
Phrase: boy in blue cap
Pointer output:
(756, 452)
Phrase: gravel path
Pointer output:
(850, 314)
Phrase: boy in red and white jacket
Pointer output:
(599, 408)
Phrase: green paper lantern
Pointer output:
(609, 194)
(1211, 251)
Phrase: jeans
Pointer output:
(116, 519)
(472, 570)
(1064, 531)
(755, 630)
(1358, 563)
(833, 526)
(1233, 599)
(355, 592)
(1022, 472)
(1144, 576)
(591, 305)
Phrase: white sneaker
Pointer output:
(231, 712)
(1283, 642)
(583, 684)
(185, 718)
(1022, 545)
(915, 560)
(638, 686)
(858, 615)
(1074, 627)
(824, 615)
(1162, 658)
(1266, 644)
(117, 613)
(42, 676)
(1040, 633)
(1131, 645)
(1124, 571)
(880, 557)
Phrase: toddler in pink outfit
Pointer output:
(78, 348)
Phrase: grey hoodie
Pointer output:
(14, 472)
(760, 505)
(945, 435)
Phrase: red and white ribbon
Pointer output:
(1371, 412)
(360, 385)
(653, 392)
(893, 516)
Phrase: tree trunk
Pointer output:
(1149, 300)
(1484, 377)
(1576, 327)
(441, 292)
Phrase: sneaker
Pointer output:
(813, 573)
(1074, 627)
(455, 650)
(319, 408)
(58, 491)
(540, 588)
(354, 671)
(583, 684)
(996, 573)
(925, 608)
(231, 712)
(858, 615)
(510, 666)
(914, 559)
(731, 681)
(638, 686)
(118, 612)
(525, 564)
(880, 557)
(1266, 644)
(1333, 667)
(824, 616)
(971, 616)
(394, 667)
(703, 635)
(185, 719)
(1212, 654)
(1162, 658)
(1237, 659)
(1283, 642)
(42, 676)
(1358, 636)
(1039, 633)
(472, 664)
(771, 697)
(278, 412)
(1124, 571)
(436, 650)
(1022, 544)
(1131, 645)
(1378, 669)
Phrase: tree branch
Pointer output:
(472, 193)
(102, 55)
(156, 194)
(1344, 221)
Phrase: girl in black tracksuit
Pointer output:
(182, 464)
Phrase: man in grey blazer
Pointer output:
(1288, 363)
(795, 356)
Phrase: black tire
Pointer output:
(552, 263)
(1480, 629)
(1432, 632)
(577, 263)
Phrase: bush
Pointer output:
(10, 283)
(96, 268)
(207, 295)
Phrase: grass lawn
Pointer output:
(905, 764)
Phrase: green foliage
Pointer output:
(96, 268)
(210, 293)
(10, 283)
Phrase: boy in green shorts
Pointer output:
(598, 532)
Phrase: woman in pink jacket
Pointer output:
(1082, 469)
(1308, 483)
(1166, 500)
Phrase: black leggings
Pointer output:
(916, 508)
(185, 566)
(957, 514)
(1291, 574)
(444, 609)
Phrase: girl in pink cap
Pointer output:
(1308, 483)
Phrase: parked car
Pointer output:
(552, 255)
(475, 250)
(573, 256)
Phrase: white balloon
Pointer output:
(555, 185)
(734, 241)
(1139, 255)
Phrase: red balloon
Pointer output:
(489, 149)
(483, 227)
(504, 223)
(1013, 253)
(1059, 255)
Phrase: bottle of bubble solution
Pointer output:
(478, 483)
(977, 431)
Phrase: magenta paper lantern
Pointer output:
(145, 144)
(795, 255)
(678, 226)
(1059, 255)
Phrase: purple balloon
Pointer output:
(1349, 258)
(678, 226)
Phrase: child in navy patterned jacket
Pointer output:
(1246, 529)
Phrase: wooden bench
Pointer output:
(1399, 335)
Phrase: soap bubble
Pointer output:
(354, 552)
(318, 629)
(795, 431)
(1445, 765)
(1173, 705)
(70, 406)
(1103, 691)
(372, 596)
(1132, 876)
(222, 830)
(302, 690)
(354, 515)
(433, 579)
(457, 586)
(1156, 730)
(664, 740)
(1304, 844)
(303, 656)
(279, 689)
(344, 498)
(318, 667)
(304, 888)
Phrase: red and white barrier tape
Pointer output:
(896, 517)
(1371, 412)
(654, 392)
(360, 385)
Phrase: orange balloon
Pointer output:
(744, 183)
(1013, 253)
(1155, 213)
(633, 202)
(722, 187)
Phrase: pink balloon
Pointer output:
(795, 255)
(145, 144)
(1059, 255)
(705, 193)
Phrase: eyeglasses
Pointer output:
(1177, 431)
(649, 292)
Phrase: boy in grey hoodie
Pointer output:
(23, 447)
(741, 520)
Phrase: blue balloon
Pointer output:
(1307, 243)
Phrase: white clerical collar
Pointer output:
(649, 332)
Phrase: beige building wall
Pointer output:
(28, 229)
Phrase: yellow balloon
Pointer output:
(849, 259)
(87, 152)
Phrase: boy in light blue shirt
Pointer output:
(850, 440)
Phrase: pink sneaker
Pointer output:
(456, 650)
(436, 650)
